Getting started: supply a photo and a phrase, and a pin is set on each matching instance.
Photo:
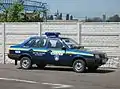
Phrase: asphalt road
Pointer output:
(12, 77)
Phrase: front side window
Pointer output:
(54, 43)
(29, 42)
(69, 42)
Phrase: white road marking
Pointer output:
(18, 80)
(58, 85)
(55, 86)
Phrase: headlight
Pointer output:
(97, 56)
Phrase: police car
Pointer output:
(55, 50)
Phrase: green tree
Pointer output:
(71, 17)
(32, 17)
(114, 18)
(95, 19)
(50, 17)
(67, 16)
(44, 12)
(15, 12)
(4, 14)
(60, 16)
(36, 16)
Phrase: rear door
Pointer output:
(39, 50)
(36, 48)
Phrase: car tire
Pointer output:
(79, 66)
(41, 66)
(25, 63)
(92, 68)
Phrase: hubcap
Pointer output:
(78, 66)
(25, 63)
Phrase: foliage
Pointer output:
(15, 12)
(4, 14)
(50, 17)
(114, 18)
(67, 16)
(95, 19)
(32, 17)
(60, 16)
(11, 14)
(71, 17)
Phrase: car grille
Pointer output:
(102, 59)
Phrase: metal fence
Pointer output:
(95, 36)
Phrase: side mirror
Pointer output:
(63, 48)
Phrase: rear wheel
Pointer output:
(25, 63)
(79, 66)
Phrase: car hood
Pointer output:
(92, 51)
(88, 51)
(14, 46)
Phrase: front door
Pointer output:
(55, 54)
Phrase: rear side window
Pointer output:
(38, 43)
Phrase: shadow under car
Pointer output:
(69, 69)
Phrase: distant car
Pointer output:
(55, 50)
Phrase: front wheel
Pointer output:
(25, 63)
(79, 66)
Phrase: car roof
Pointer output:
(49, 35)
(37, 37)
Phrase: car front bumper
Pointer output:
(14, 56)
(96, 62)
(101, 61)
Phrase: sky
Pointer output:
(82, 8)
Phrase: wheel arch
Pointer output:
(25, 55)
(79, 58)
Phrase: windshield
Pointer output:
(69, 42)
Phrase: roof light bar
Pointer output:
(52, 34)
